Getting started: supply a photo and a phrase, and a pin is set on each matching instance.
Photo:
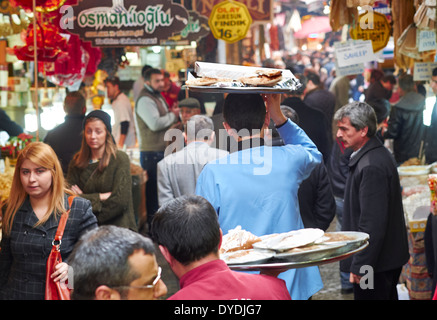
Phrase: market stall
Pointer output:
(417, 207)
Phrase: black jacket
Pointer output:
(66, 139)
(6, 124)
(316, 201)
(405, 126)
(324, 101)
(373, 204)
(24, 252)
(314, 123)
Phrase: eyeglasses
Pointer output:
(149, 286)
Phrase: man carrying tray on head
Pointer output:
(256, 185)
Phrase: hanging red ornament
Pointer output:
(27, 4)
(41, 5)
(49, 44)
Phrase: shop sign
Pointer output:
(349, 70)
(354, 52)
(423, 70)
(124, 22)
(261, 11)
(372, 26)
(197, 28)
(230, 21)
(427, 40)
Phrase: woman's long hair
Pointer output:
(82, 158)
(42, 155)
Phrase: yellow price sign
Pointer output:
(230, 21)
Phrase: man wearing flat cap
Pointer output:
(175, 141)
(188, 108)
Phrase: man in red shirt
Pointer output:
(189, 237)
(171, 91)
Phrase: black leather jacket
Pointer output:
(405, 126)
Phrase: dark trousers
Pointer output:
(384, 287)
(149, 162)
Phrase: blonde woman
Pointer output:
(101, 173)
(30, 219)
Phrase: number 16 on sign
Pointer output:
(230, 21)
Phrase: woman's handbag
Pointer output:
(57, 290)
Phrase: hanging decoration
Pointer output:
(49, 43)
(63, 58)
(411, 18)
(41, 5)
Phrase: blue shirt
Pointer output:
(257, 188)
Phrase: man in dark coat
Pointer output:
(66, 138)
(405, 124)
(319, 98)
(316, 199)
(372, 204)
(381, 88)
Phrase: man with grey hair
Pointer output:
(372, 204)
(405, 124)
(177, 172)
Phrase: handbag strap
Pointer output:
(63, 222)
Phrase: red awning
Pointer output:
(313, 25)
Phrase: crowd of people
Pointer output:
(270, 163)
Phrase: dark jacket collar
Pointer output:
(250, 143)
(373, 143)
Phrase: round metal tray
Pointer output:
(279, 264)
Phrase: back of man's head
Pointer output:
(188, 227)
(75, 103)
(199, 128)
(244, 111)
(381, 107)
(313, 77)
(101, 256)
(406, 83)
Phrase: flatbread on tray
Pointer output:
(260, 81)
(238, 239)
(205, 81)
(289, 240)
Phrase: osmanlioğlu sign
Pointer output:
(125, 22)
